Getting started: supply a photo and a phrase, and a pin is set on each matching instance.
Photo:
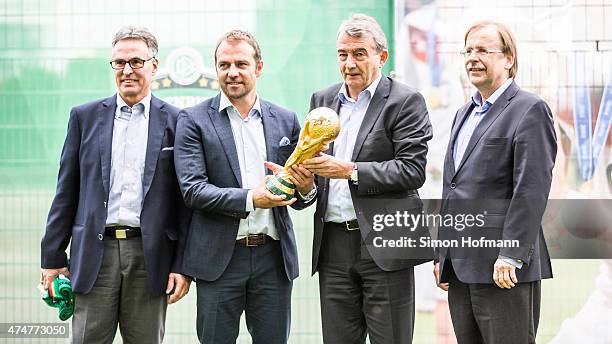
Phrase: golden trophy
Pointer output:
(321, 128)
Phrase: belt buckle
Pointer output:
(120, 234)
(247, 242)
(348, 226)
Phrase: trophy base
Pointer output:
(280, 185)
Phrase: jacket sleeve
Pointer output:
(64, 205)
(535, 148)
(191, 171)
(410, 132)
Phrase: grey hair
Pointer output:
(142, 33)
(361, 25)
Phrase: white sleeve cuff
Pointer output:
(249, 202)
(516, 262)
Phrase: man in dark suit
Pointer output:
(119, 205)
(374, 167)
(498, 164)
(241, 247)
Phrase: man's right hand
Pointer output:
(436, 271)
(48, 275)
(263, 198)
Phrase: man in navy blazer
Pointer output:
(240, 247)
(118, 204)
(498, 166)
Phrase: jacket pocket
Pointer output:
(494, 141)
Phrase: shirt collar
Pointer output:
(225, 103)
(343, 93)
(477, 98)
(146, 101)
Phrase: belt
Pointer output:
(351, 225)
(122, 232)
(253, 240)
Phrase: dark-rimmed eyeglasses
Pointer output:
(480, 52)
(135, 63)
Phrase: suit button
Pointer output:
(100, 237)
(453, 185)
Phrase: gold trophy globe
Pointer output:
(321, 128)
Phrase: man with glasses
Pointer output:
(118, 203)
(498, 163)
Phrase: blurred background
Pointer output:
(54, 55)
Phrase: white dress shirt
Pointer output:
(250, 143)
(339, 203)
(129, 148)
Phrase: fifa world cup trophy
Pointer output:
(321, 127)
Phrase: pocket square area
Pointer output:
(284, 141)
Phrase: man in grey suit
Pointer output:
(241, 247)
(374, 167)
(498, 164)
(118, 204)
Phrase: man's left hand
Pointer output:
(329, 166)
(504, 274)
(180, 284)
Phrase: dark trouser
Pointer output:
(358, 298)
(254, 282)
(486, 313)
(120, 296)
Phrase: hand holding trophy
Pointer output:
(321, 128)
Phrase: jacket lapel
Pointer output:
(271, 133)
(495, 111)
(379, 98)
(106, 117)
(462, 114)
(223, 128)
(157, 124)
(334, 105)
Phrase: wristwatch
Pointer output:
(354, 175)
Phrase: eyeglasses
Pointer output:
(135, 63)
(480, 52)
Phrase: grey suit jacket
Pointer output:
(79, 208)
(506, 173)
(209, 176)
(390, 154)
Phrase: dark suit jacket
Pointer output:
(79, 209)
(390, 152)
(506, 172)
(209, 176)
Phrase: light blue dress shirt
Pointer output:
(129, 148)
(339, 203)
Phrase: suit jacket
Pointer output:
(506, 173)
(390, 154)
(78, 211)
(209, 176)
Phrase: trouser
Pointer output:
(359, 298)
(120, 296)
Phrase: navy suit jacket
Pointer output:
(78, 211)
(506, 173)
(209, 177)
